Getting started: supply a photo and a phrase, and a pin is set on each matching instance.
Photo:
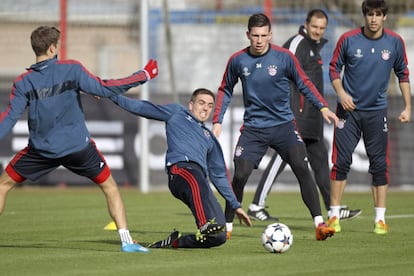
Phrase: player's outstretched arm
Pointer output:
(216, 129)
(242, 215)
(328, 115)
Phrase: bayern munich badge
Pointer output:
(385, 54)
(239, 151)
(272, 70)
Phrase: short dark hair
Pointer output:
(200, 91)
(258, 20)
(370, 5)
(318, 13)
(42, 37)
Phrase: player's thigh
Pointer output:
(285, 137)
(31, 165)
(88, 162)
(252, 145)
(346, 139)
(376, 136)
(186, 181)
(317, 153)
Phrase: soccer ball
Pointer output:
(277, 238)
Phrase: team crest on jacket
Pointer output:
(239, 151)
(385, 54)
(272, 70)
(206, 133)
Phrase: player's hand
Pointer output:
(405, 116)
(242, 215)
(346, 101)
(327, 114)
(216, 130)
(151, 69)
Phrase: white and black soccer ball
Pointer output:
(277, 238)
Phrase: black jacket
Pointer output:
(308, 118)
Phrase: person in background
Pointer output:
(306, 46)
(265, 71)
(58, 136)
(360, 73)
(194, 156)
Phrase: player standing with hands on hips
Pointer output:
(306, 46)
(265, 71)
(365, 56)
(193, 157)
(58, 136)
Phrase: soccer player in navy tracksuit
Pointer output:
(306, 46)
(366, 57)
(265, 72)
(193, 156)
(50, 90)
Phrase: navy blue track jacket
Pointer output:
(266, 87)
(188, 140)
(51, 91)
(360, 54)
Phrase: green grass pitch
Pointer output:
(49, 231)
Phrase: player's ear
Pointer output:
(52, 49)
(190, 105)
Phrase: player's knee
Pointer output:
(240, 176)
(339, 171)
(297, 159)
(379, 179)
(337, 174)
(219, 239)
(104, 176)
(243, 169)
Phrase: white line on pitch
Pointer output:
(401, 216)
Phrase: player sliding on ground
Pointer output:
(193, 157)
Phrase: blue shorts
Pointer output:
(29, 164)
(254, 142)
(373, 128)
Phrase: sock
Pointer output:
(334, 211)
(380, 214)
(229, 226)
(176, 243)
(125, 236)
(317, 220)
(254, 207)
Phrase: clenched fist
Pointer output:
(151, 69)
